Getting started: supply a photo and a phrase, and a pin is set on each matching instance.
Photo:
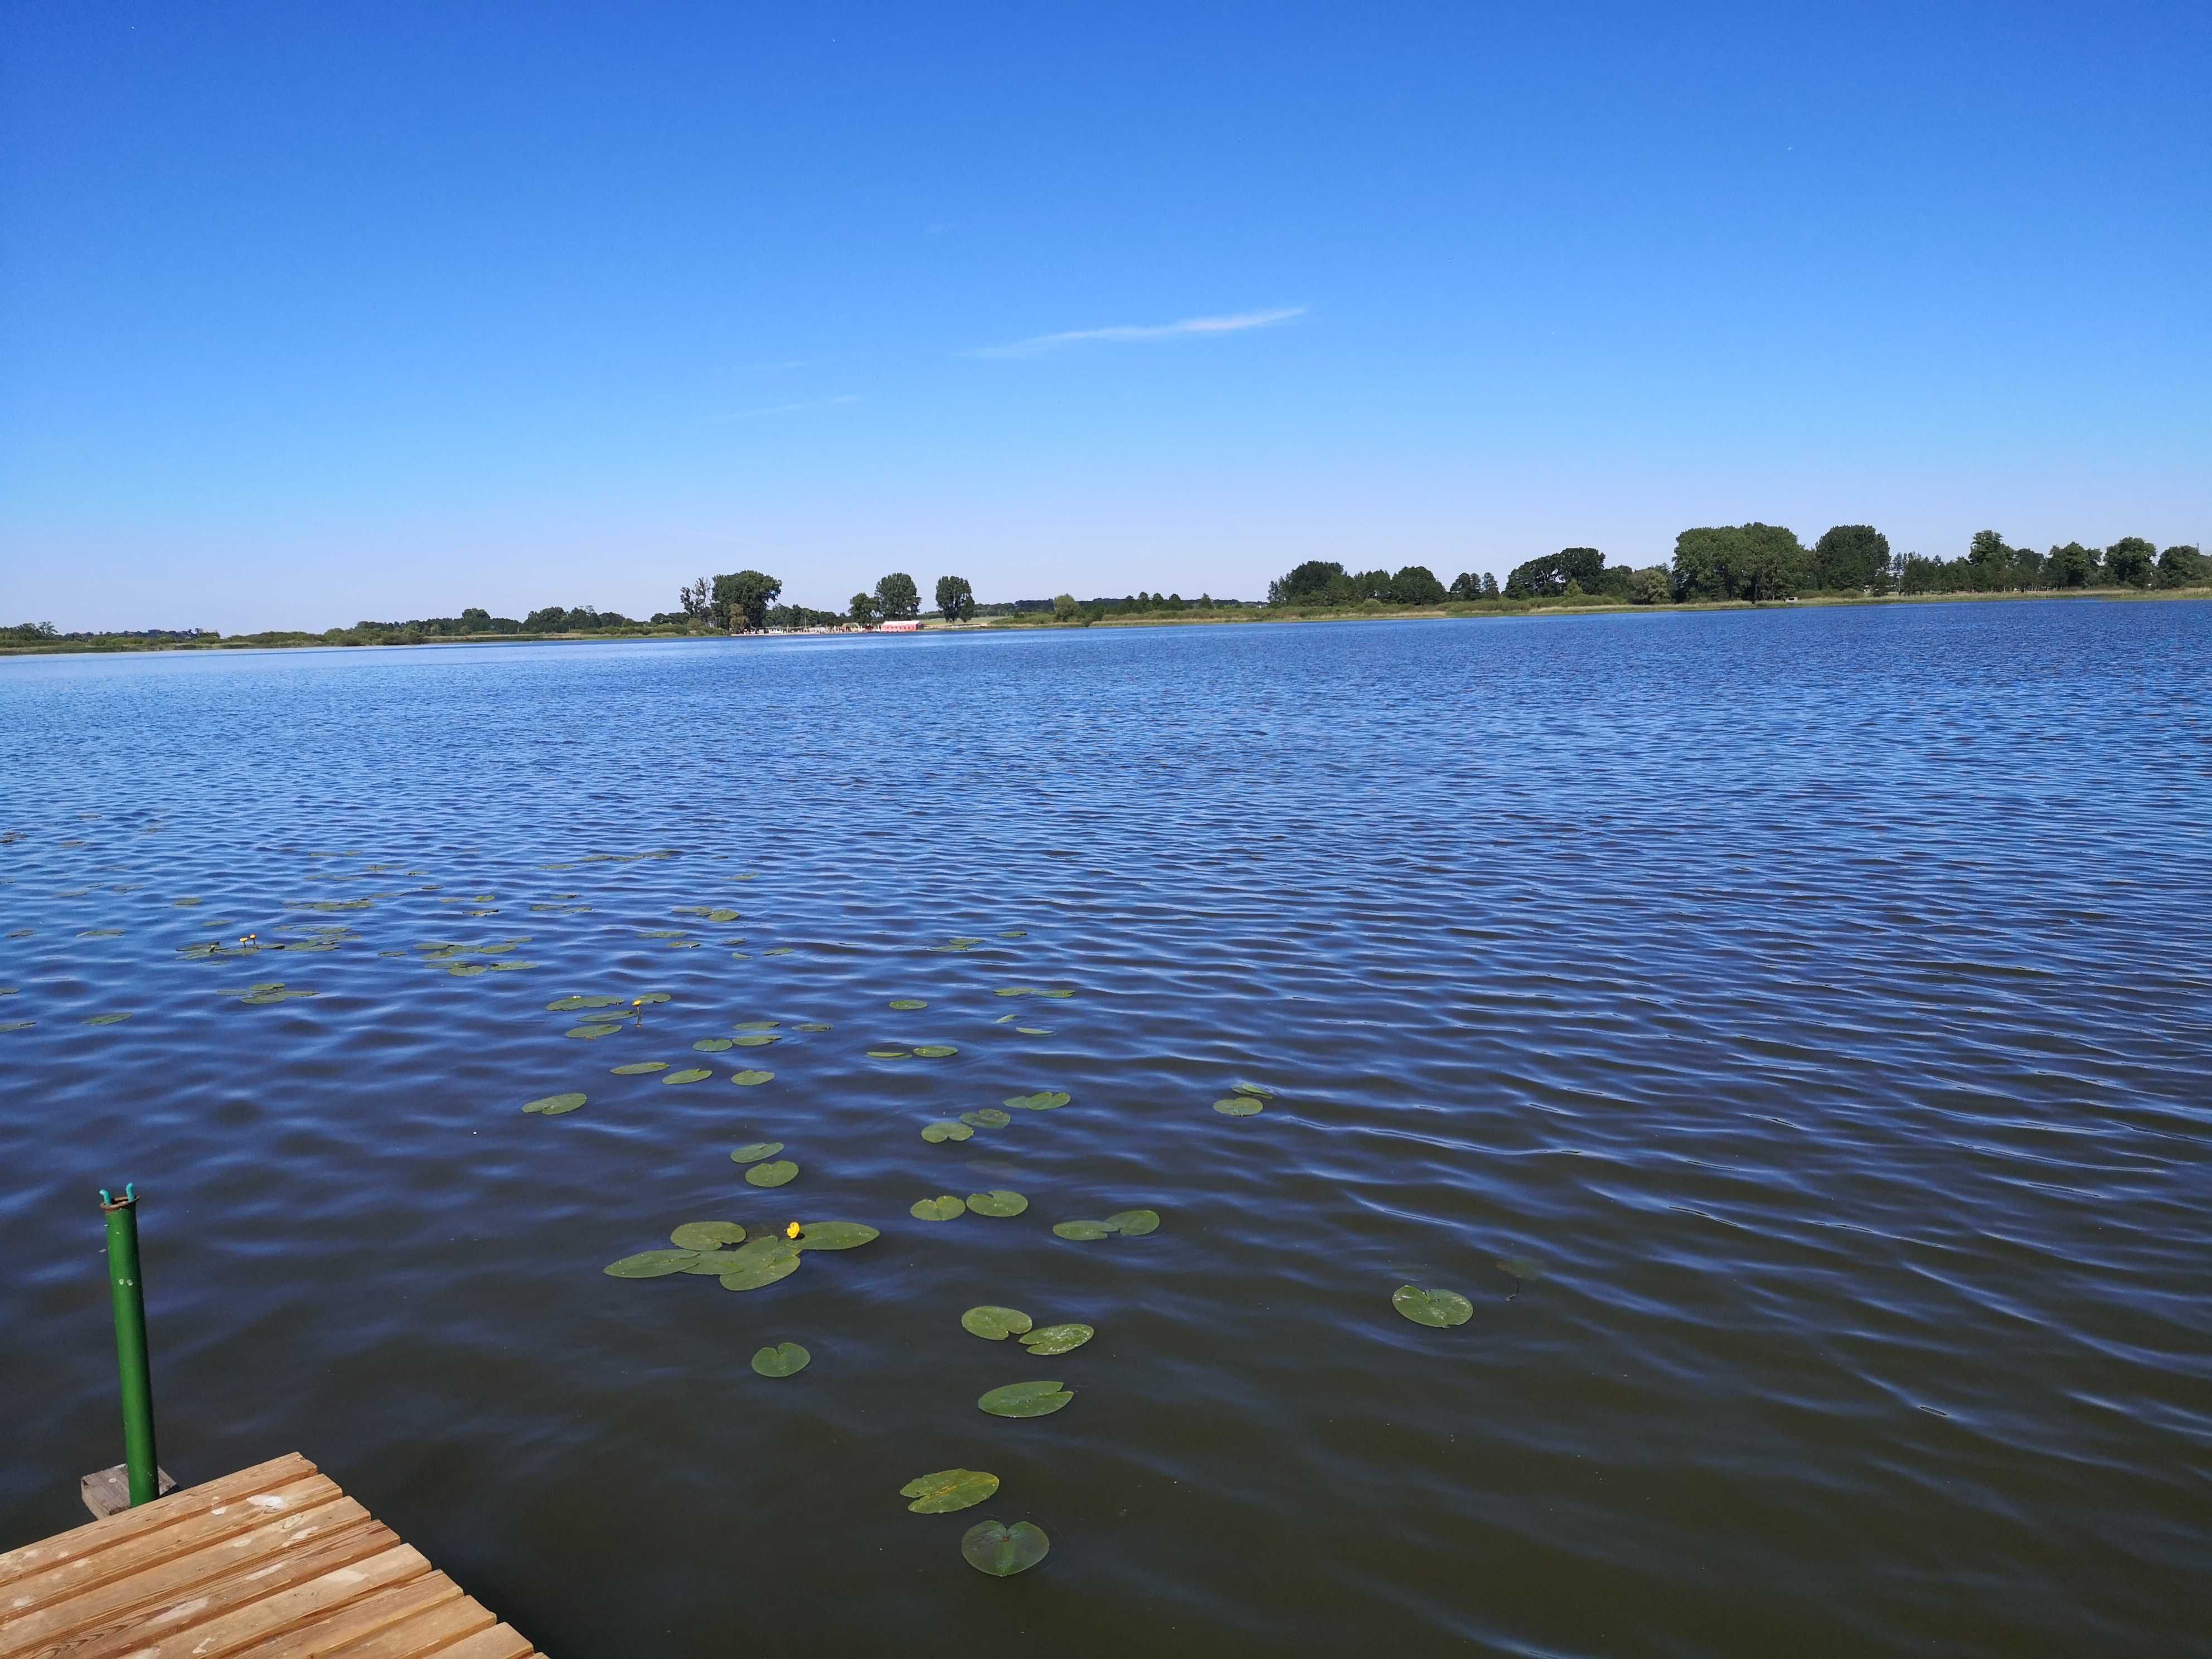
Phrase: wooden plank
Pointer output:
(379, 1623)
(107, 1491)
(151, 1517)
(204, 1584)
(289, 1609)
(434, 1632)
(274, 1562)
(499, 1642)
(149, 1550)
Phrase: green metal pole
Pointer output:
(130, 1344)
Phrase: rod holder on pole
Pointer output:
(131, 1359)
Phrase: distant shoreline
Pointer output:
(1455, 611)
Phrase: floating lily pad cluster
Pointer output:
(268, 991)
(1129, 1224)
(726, 1251)
(996, 1324)
(1245, 1100)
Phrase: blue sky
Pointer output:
(309, 314)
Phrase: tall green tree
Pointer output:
(896, 596)
(2070, 566)
(862, 610)
(1417, 584)
(740, 601)
(1063, 607)
(956, 600)
(1849, 558)
(2131, 562)
(1755, 562)
(1314, 582)
(2180, 567)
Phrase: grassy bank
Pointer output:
(119, 644)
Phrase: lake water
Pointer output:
(1818, 1000)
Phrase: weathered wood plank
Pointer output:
(149, 1550)
(499, 1642)
(434, 1632)
(374, 1623)
(127, 1614)
(274, 1562)
(95, 1535)
(107, 1491)
(289, 1609)
(370, 1620)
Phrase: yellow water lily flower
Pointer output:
(792, 1231)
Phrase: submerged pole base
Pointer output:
(107, 1491)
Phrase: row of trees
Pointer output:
(745, 601)
(1761, 563)
(1767, 562)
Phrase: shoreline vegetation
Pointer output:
(1733, 567)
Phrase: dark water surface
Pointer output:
(1819, 997)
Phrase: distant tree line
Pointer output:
(745, 602)
(1325, 582)
(1758, 562)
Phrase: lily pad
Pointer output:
(908, 1002)
(1033, 1030)
(999, 1202)
(948, 1490)
(554, 1105)
(1437, 1310)
(707, 1234)
(713, 1264)
(757, 1150)
(887, 1054)
(1045, 1100)
(587, 1032)
(752, 1079)
(755, 1040)
(721, 916)
(766, 1271)
(107, 1019)
(785, 1360)
(469, 970)
(988, 1117)
(712, 1045)
(1134, 1224)
(651, 1264)
(995, 1324)
(780, 1173)
(649, 997)
(1019, 933)
(834, 1235)
(758, 1026)
(1237, 1106)
(1082, 1231)
(689, 1075)
(943, 1208)
(1257, 1091)
(641, 1067)
(1002, 1552)
(1057, 1339)
(939, 1132)
(1524, 1267)
(1025, 1399)
(936, 1051)
(815, 1025)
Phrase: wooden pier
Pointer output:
(274, 1562)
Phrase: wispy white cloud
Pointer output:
(786, 408)
(1126, 331)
